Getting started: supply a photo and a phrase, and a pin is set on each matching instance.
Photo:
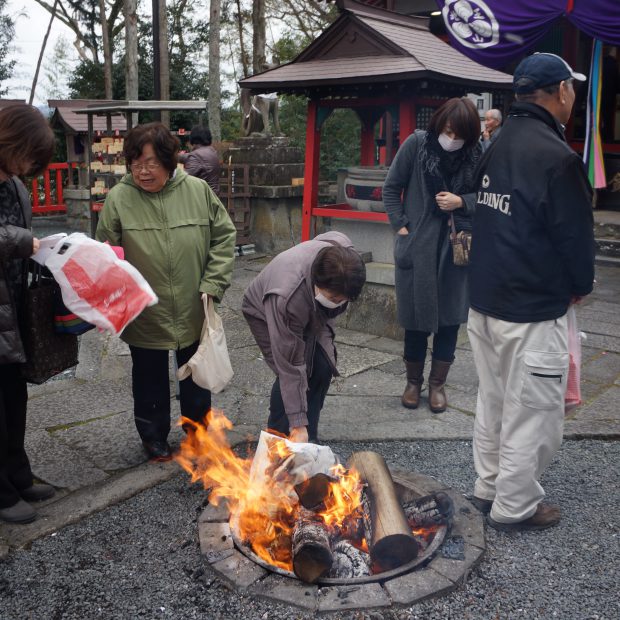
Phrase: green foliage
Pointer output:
(7, 33)
(188, 77)
(340, 135)
(340, 143)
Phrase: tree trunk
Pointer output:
(388, 534)
(259, 38)
(215, 123)
(131, 50)
(164, 65)
(107, 52)
(47, 34)
(244, 54)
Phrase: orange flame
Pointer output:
(263, 515)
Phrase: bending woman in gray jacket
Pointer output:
(290, 307)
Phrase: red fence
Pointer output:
(47, 197)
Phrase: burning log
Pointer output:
(312, 555)
(388, 534)
(430, 510)
(349, 562)
(313, 491)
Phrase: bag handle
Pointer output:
(452, 227)
(211, 318)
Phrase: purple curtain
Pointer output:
(496, 32)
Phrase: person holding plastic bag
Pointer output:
(26, 147)
(179, 236)
(290, 308)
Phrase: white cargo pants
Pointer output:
(522, 370)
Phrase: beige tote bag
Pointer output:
(210, 366)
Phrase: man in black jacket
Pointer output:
(532, 256)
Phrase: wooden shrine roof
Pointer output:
(370, 46)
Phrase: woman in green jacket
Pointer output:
(180, 237)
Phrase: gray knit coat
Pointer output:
(430, 290)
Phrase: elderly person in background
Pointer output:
(431, 177)
(180, 237)
(203, 161)
(290, 308)
(26, 147)
(492, 128)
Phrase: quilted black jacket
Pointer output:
(15, 242)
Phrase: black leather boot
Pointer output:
(436, 381)
(415, 378)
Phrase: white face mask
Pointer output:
(450, 144)
(327, 303)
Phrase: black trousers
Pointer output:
(151, 392)
(15, 472)
(318, 384)
(444, 344)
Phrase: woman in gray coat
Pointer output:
(432, 176)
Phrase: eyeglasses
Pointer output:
(149, 167)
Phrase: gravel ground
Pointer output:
(141, 559)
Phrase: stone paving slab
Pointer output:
(252, 375)
(215, 540)
(418, 586)
(367, 596)
(278, 588)
(85, 401)
(238, 571)
(58, 464)
(457, 570)
(352, 360)
(607, 343)
(603, 367)
(371, 382)
(596, 325)
(111, 443)
(377, 418)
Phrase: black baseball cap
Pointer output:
(540, 70)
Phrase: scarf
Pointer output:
(448, 172)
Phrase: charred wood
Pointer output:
(430, 511)
(312, 555)
(349, 562)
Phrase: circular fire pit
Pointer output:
(444, 564)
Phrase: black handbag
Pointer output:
(47, 352)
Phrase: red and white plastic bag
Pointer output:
(98, 286)
(572, 398)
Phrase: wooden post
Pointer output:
(406, 119)
(367, 147)
(389, 536)
(311, 169)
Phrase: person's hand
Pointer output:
(447, 201)
(299, 434)
(576, 299)
(486, 135)
(35, 245)
(403, 231)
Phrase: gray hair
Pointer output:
(496, 114)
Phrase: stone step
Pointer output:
(607, 261)
(608, 247)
